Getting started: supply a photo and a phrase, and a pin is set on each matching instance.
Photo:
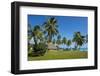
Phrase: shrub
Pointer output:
(30, 50)
(30, 54)
(39, 49)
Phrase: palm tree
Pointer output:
(37, 34)
(86, 40)
(29, 36)
(50, 28)
(29, 29)
(78, 39)
(54, 41)
(58, 40)
(29, 32)
(69, 43)
(64, 40)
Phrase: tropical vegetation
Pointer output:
(48, 33)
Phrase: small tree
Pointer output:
(64, 40)
(39, 47)
(78, 39)
(69, 44)
(58, 40)
(54, 41)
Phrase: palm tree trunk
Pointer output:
(76, 46)
(35, 40)
(70, 48)
(79, 48)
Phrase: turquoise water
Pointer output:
(83, 49)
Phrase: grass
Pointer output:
(54, 54)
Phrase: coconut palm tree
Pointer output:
(50, 28)
(78, 39)
(58, 40)
(68, 43)
(29, 29)
(29, 36)
(37, 34)
(86, 40)
(39, 47)
(29, 32)
(64, 40)
(54, 41)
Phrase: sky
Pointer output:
(67, 25)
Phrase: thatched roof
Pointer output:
(52, 46)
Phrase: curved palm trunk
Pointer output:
(79, 48)
(50, 39)
(35, 40)
(76, 46)
(70, 48)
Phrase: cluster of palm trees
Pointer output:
(78, 41)
(48, 33)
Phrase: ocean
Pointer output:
(83, 49)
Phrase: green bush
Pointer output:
(30, 54)
(30, 50)
(39, 49)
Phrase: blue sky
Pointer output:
(67, 25)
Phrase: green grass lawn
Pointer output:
(54, 54)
